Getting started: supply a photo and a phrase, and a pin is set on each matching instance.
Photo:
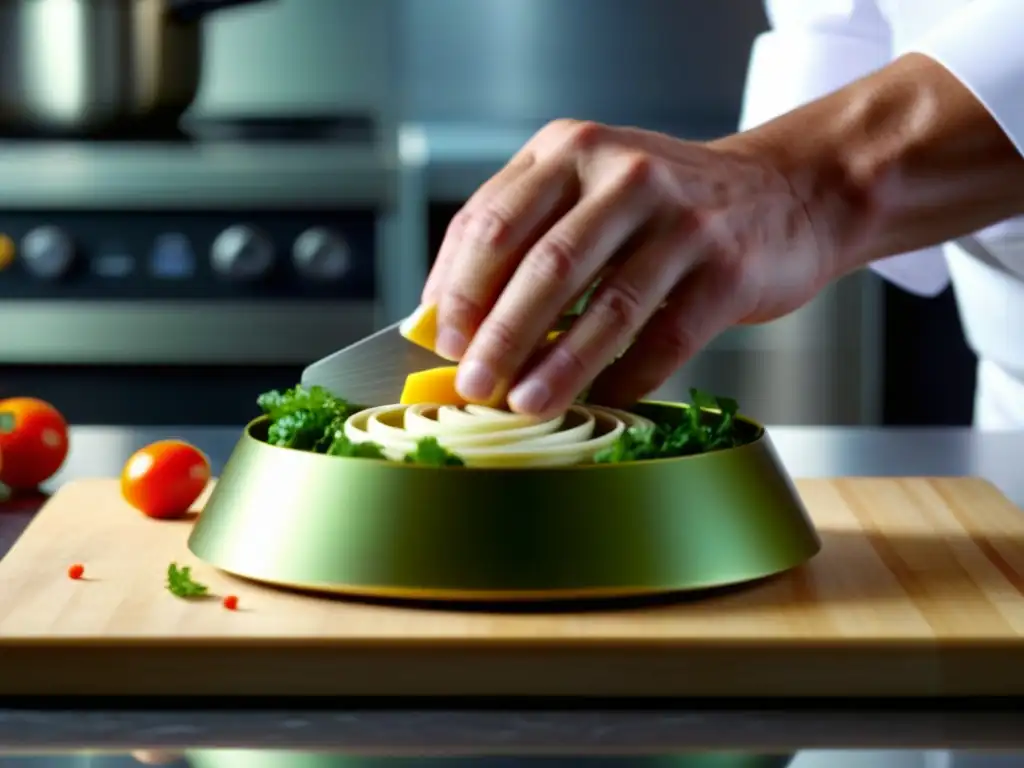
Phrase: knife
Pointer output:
(373, 370)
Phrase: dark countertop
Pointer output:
(807, 452)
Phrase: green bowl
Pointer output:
(247, 758)
(399, 531)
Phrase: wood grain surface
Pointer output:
(918, 591)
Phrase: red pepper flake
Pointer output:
(76, 571)
(231, 602)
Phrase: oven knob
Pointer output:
(319, 254)
(242, 253)
(48, 252)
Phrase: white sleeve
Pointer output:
(815, 47)
(983, 46)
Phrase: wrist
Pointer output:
(900, 160)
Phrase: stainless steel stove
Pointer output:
(232, 244)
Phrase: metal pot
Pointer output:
(84, 67)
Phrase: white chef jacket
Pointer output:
(815, 47)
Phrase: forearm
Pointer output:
(902, 159)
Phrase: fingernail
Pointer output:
(450, 343)
(532, 396)
(475, 381)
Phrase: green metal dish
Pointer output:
(251, 758)
(391, 530)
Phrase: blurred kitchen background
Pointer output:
(167, 274)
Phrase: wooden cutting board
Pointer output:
(919, 591)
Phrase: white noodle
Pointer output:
(486, 437)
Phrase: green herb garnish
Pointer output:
(432, 453)
(342, 446)
(304, 418)
(181, 584)
(699, 432)
(312, 419)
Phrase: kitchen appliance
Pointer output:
(171, 277)
(390, 529)
(83, 67)
(915, 594)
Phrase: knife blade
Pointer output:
(373, 370)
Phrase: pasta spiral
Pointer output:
(487, 437)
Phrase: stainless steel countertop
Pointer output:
(807, 452)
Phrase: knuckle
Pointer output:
(567, 135)
(570, 363)
(584, 135)
(701, 222)
(461, 309)
(683, 225)
(707, 231)
(555, 132)
(677, 345)
(636, 168)
(620, 306)
(457, 226)
(554, 260)
(488, 227)
(561, 126)
(501, 342)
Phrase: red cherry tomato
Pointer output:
(165, 478)
(33, 441)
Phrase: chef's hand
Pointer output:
(688, 238)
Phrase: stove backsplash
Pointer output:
(637, 61)
(652, 62)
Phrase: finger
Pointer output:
(457, 226)
(706, 302)
(561, 265)
(497, 233)
(622, 304)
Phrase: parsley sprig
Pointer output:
(304, 418)
(432, 453)
(312, 419)
(181, 584)
(709, 425)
